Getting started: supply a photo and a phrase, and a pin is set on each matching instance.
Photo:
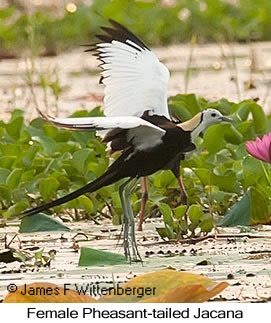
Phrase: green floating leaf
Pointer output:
(41, 223)
(94, 257)
(250, 210)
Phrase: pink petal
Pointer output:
(267, 143)
(269, 136)
(252, 149)
(263, 150)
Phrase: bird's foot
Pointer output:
(131, 252)
(126, 248)
(136, 254)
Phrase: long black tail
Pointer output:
(107, 178)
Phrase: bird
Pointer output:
(135, 80)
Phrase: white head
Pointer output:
(203, 120)
(212, 116)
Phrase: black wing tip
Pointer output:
(117, 32)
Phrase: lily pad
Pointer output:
(94, 257)
(41, 223)
(250, 210)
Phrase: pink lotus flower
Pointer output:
(261, 148)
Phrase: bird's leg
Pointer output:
(144, 200)
(125, 222)
(183, 196)
(182, 191)
(127, 194)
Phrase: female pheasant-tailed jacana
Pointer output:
(137, 122)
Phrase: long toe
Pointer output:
(136, 254)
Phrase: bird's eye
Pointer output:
(213, 114)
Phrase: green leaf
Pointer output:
(18, 207)
(163, 233)
(259, 119)
(7, 161)
(86, 203)
(206, 224)
(216, 137)
(217, 196)
(41, 223)
(251, 209)
(5, 193)
(259, 210)
(226, 182)
(28, 175)
(14, 177)
(50, 131)
(194, 213)
(15, 127)
(179, 211)
(4, 173)
(48, 144)
(185, 106)
(94, 257)
(10, 149)
(79, 159)
(38, 254)
(164, 179)
(166, 213)
(20, 256)
(252, 171)
(30, 154)
(48, 188)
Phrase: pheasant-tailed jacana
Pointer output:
(134, 81)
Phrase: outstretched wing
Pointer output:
(135, 80)
(140, 133)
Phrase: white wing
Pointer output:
(141, 133)
(134, 78)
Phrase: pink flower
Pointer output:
(261, 148)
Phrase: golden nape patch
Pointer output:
(191, 124)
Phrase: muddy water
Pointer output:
(243, 261)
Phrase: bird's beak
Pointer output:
(225, 119)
